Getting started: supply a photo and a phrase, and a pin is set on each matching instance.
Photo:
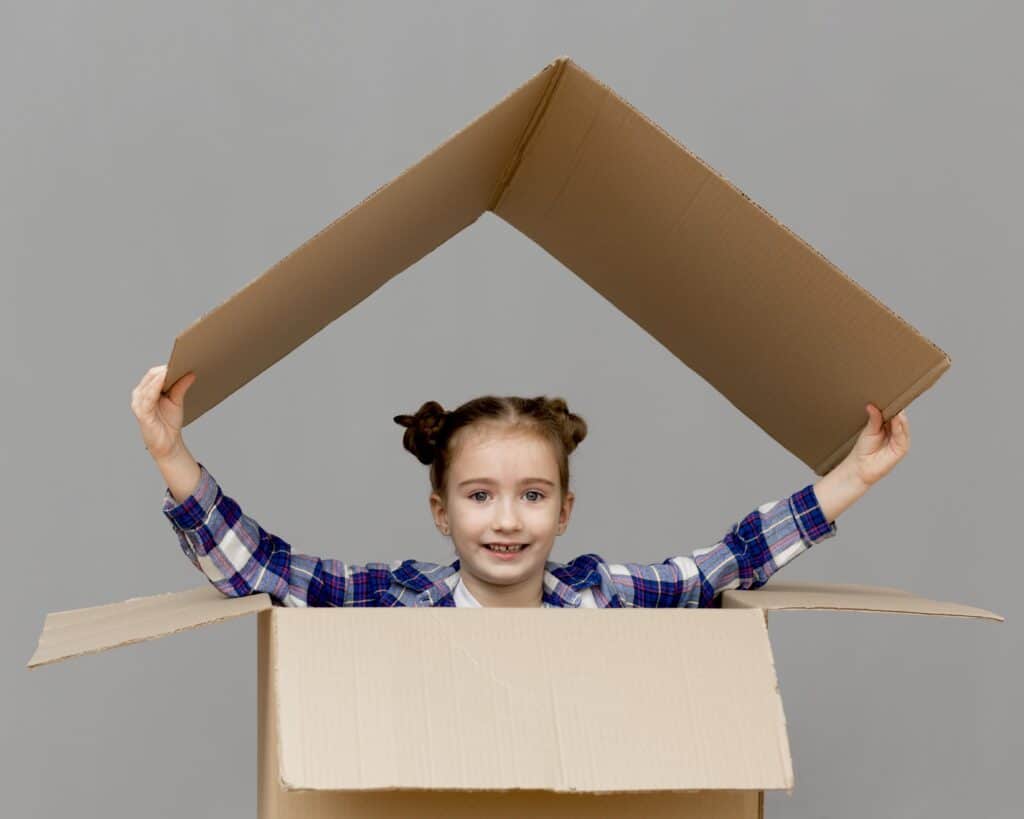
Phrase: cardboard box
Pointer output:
(544, 722)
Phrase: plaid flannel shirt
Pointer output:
(238, 557)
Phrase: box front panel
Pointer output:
(470, 713)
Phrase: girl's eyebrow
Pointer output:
(493, 482)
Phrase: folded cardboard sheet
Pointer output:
(781, 332)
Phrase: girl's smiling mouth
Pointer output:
(506, 551)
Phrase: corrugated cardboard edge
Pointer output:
(796, 595)
(90, 630)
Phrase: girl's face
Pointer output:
(503, 489)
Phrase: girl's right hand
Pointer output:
(160, 416)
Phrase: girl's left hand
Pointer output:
(880, 446)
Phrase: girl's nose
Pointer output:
(506, 518)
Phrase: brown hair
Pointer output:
(430, 432)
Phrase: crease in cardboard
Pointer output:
(536, 121)
(577, 155)
(680, 221)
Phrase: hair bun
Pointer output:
(423, 431)
(574, 428)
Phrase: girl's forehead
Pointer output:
(493, 449)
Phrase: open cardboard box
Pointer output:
(537, 723)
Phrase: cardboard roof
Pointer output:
(776, 328)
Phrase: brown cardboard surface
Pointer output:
(86, 631)
(532, 699)
(768, 321)
(779, 596)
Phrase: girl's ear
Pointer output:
(566, 512)
(439, 513)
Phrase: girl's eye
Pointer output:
(536, 493)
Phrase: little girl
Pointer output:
(499, 471)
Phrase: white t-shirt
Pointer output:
(463, 599)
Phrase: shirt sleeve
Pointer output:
(751, 552)
(239, 557)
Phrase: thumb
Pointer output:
(177, 392)
(874, 424)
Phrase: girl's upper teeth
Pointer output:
(505, 547)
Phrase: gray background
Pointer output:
(157, 157)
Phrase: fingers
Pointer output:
(141, 390)
(147, 392)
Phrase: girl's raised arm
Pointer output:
(752, 551)
(775, 533)
(239, 557)
(231, 549)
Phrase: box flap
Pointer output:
(770, 323)
(89, 630)
(838, 597)
(548, 699)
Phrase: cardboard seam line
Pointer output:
(893, 407)
(531, 128)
